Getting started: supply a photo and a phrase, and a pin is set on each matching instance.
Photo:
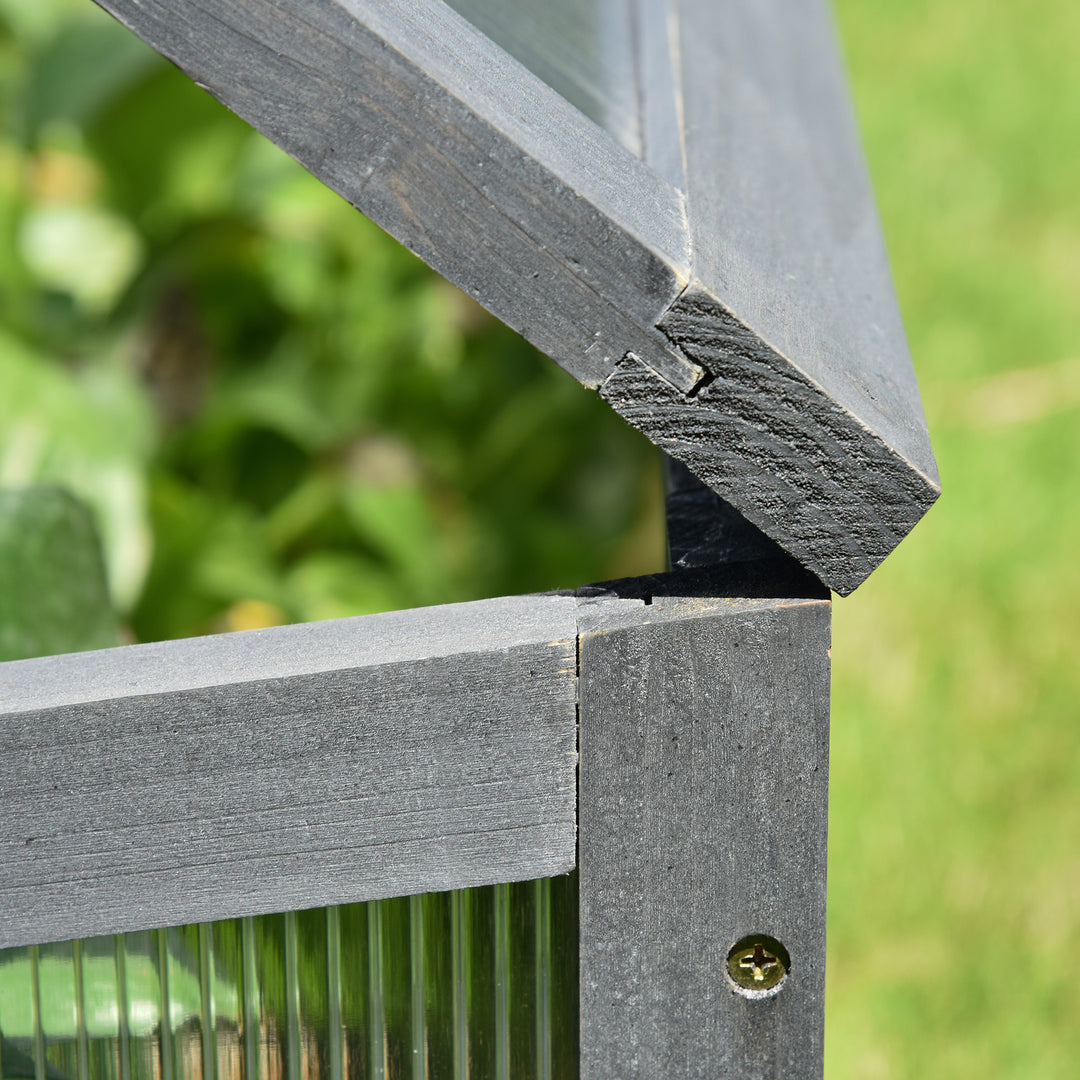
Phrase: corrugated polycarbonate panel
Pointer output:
(480, 983)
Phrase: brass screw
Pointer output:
(758, 964)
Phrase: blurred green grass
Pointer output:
(275, 413)
(954, 892)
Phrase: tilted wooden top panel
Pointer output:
(701, 247)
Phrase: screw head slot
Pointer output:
(757, 966)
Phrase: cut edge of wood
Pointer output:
(773, 443)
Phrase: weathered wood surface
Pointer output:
(451, 145)
(702, 818)
(718, 273)
(809, 422)
(416, 751)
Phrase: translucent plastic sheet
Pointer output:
(479, 983)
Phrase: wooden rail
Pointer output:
(272, 770)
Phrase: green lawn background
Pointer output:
(954, 918)
(274, 414)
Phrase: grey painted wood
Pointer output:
(659, 90)
(745, 324)
(161, 784)
(454, 147)
(705, 531)
(809, 422)
(784, 455)
(613, 59)
(798, 257)
(702, 818)
(282, 651)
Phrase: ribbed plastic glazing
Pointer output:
(480, 983)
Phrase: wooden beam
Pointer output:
(809, 420)
(706, 254)
(452, 146)
(280, 769)
(703, 796)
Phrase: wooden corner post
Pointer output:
(702, 821)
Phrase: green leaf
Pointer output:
(53, 595)
(84, 66)
(85, 251)
(89, 432)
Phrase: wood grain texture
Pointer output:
(783, 454)
(702, 818)
(461, 153)
(284, 769)
(809, 421)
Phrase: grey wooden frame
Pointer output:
(725, 287)
(439, 748)
(434, 749)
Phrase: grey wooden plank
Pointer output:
(702, 819)
(284, 769)
(809, 422)
(456, 149)
(797, 255)
(282, 651)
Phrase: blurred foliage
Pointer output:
(52, 577)
(276, 412)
